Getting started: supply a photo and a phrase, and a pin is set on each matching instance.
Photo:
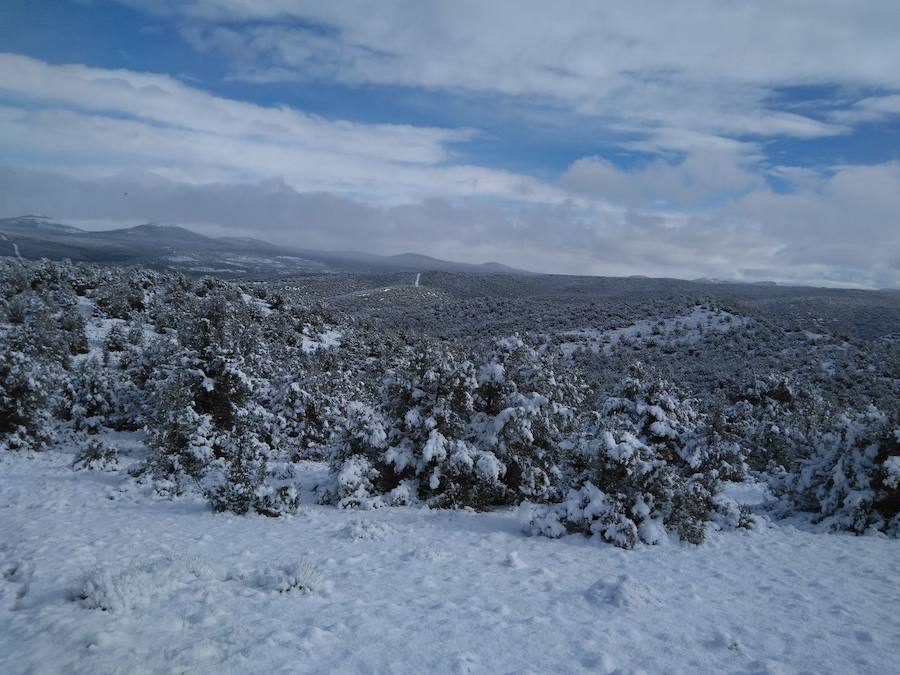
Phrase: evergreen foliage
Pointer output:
(233, 384)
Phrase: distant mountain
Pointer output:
(415, 261)
(32, 223)
(155, 233)
(171, 246)
(707, 280)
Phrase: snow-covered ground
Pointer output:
(686, 328)
(100, 577)
(330, 337)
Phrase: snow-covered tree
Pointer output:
(25, 402)
(357, 466)
(429, 399)
(303, 417)
(850, 478)
(181, 439)
(91, 395)
(643, 471)
(525, 412)
(96, 455)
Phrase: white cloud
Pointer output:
(870, 109)
(848, 217)
(81, 117)
(804, 41)
(703, 65)
(163, 99)
(701, 175)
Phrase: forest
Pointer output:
(624, 434)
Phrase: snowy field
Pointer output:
(684, 329)
(100, 577)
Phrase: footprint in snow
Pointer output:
(622, 593)
(514, 561)
(467, 663)
(864, 636)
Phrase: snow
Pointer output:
(329, 338)
(216, 270)
(97, 576)
(685, 328)
(19, 256)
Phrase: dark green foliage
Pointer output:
(71, 323)
(181, 439)
(25, 402)
(116, 339)
(92, 393)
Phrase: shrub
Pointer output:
(302, 576)
(25, 402)
(642, 471)
(851, 478)
(358, 452)
(91, 392)
(117, 592)
(97, 455)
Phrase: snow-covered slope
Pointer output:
(172, 587)
(684, 329)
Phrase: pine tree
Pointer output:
(643, 471)
(25, 402)
(525, 413)
(851, 478)
(357, 466)
(180, 438)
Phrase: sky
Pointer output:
(725, 139)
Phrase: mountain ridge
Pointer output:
(174, 246)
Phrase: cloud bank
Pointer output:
(754, 238)
(704, 108)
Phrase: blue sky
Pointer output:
(117, 36)
(736, 140)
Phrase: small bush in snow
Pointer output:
(179, 437)
(369, 530)
(453, 436)
(117, 591)
(302, 418)
(97, 455)
(428, 399)
(91, 396)
(243, 479)
(302, 576)
(138, 585)
(276, 501)
(360, 443)
(116, 339)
